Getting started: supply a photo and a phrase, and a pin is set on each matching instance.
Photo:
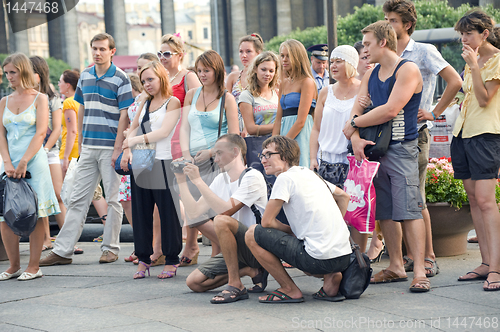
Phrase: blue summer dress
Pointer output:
(290, 105)
(21, 129)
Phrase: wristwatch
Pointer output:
(353, 124)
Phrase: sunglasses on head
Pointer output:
(166, 55)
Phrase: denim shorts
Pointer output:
(476, 158)
(292, 251)
(217, 266)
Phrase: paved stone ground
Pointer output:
(88, 296)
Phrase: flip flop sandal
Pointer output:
(260, 278)
(408, 264)
(229, 295)
(433, 270)
(321, 295)
(477, 277)
(77, 251)
(45, 248)
(424, 285)
(488, 289)
(283, 298)
(385, 276)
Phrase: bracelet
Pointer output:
(258, 129)
(145, 137)
(434, 116)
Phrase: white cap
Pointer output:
(346, 53)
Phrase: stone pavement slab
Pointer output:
(88, 296)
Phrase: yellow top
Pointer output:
(69, 104)
(475, 120)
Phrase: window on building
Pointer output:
(46, 54)
(190, 34)
(44, 32)
(33, 52)
(32, 34)
(205, 33)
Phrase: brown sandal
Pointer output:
(385, 276)
(424, 285)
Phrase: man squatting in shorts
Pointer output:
(232, 195)
(317, 240)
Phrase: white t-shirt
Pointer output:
(312, 213)
(264, 110)
(252, 190)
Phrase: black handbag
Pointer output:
(356, 278)
(380, 134)
(143, 154)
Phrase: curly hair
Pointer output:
(253, 84)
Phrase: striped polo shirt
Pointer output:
(103, 98)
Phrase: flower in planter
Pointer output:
(441, 186)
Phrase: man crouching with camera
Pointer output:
(317, 240)
(238, 196)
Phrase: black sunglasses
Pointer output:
(266, 155)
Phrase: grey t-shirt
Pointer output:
(54, 105)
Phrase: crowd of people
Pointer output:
(255, 161)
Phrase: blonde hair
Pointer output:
(350, 71)
(162, 74)
(383, 30)
(253, 82)
(299, 61)
(23, 64)
(256, 39)
(175, 43)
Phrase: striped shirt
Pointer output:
(103, 98)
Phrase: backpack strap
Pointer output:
(256, 212)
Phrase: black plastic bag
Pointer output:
(20, 206)
(356, 278)
(3, 181)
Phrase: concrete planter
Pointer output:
(450, 227)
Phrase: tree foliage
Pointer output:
(431, 14)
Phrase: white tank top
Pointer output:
(163, 146)
(332, 142)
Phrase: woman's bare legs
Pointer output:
(157, 252)
(57, 181)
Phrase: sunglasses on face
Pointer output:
(166, 55)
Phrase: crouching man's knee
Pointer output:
(223, 223)
(194, 281)
(250, 237)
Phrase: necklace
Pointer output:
(173, 78)
(204, 104)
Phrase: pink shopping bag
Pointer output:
(359, 185)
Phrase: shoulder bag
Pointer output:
(380, 134)
(143, 154)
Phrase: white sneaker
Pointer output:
(7, 275)
(30, 276)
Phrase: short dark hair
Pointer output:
(71, 77)
(405, 9)
(104, 36)
(288, 148)
(236, 140)
(358, 46)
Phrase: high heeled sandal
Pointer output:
(379, 256)
(185, 261)
(142, 274)
(168, 274)
(131, 258)
(159, 261)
